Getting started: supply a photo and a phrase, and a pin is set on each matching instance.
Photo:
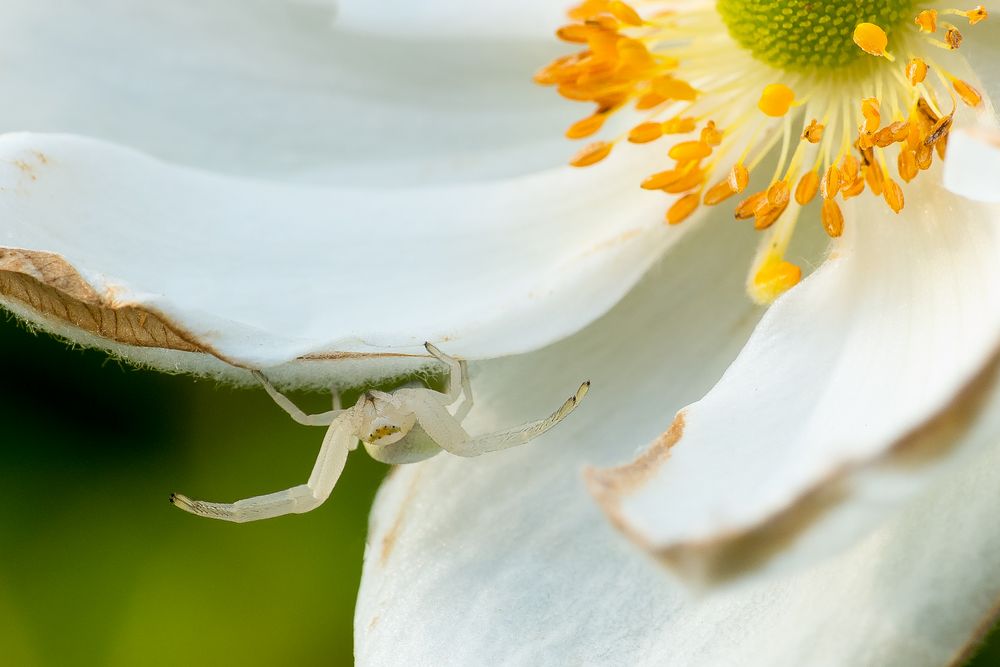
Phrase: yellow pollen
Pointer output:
(893, 195)
(739, 178)
(690, 150)
(592, 154)
(682, 208)
(872, 40)
(813, 132)
(807, 188)
(870, 110)
(646, 132)
(969, 95)
(976, 15)
(586, 127)
(773, 279)
(832, 218)
(916, 71)
(719, 193)
(871, 127)
(953, 38)
(776, 100)
(927, 20)
(831, 182)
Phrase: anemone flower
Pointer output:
(317, 202)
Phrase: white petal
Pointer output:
(826, 421)
(529, 19)
(972, 168)
(505, 560)
(276, 89)
(105, 241)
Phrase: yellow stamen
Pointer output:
(690, 150)
(832, 218)
(813, 132)
(872, 40)
(625, 14)
(739, 178)
(969, 95)
(586, 127)
(646, 132)
(592, 154)
(773, 279)
(927, 20)
(776, 100)
(916, 71)
(893, 195)
(953, 38)
(807, 188)
(870, 110)
(682, 208)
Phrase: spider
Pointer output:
(408, 425)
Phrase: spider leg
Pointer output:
(445, 429)
(321, 419)
(463, 409)
(458, 380)
(339, 441)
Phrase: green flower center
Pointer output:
(799, 35)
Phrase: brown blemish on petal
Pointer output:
(389, 539)
(48, 285)
(977, 638)
(729, 554)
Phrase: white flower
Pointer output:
(320, 201)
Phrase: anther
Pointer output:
(953, 38)
(907, 164)
(776, 100)
(586, 126)
(690, 150)
(646, 132)
(592, 154)
(830, 185)
(807, 188)
(813, 132)
(927, 20)
(976, 15)
(682, 208)
(679, 125)
(893, 195)
(674, 89)
(739, 178)
(872, 40)
(773, 279)
(747, 208)
(916, 71)
(625, 14)
(719, 193)
(832, 218)
(870, 110)
(969, 95)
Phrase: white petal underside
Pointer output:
(262, 274)
(445, 213)
(505, 559)
(846, 371)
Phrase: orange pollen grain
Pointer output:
(690, 150)
(682, 209)
(807, 188)
(872, 40)
(916, 71)
(592, 154)
(739, 177)
(646, 132)
(586, 127)
(813, 132)
(976, 15)
(870, 110)
(953, 38)
(832, 218)
(927, 20)
(776, 100)
(969, 95)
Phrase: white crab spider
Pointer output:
(408, 425)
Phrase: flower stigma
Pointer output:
(850, 96)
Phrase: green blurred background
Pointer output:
(97, 568)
